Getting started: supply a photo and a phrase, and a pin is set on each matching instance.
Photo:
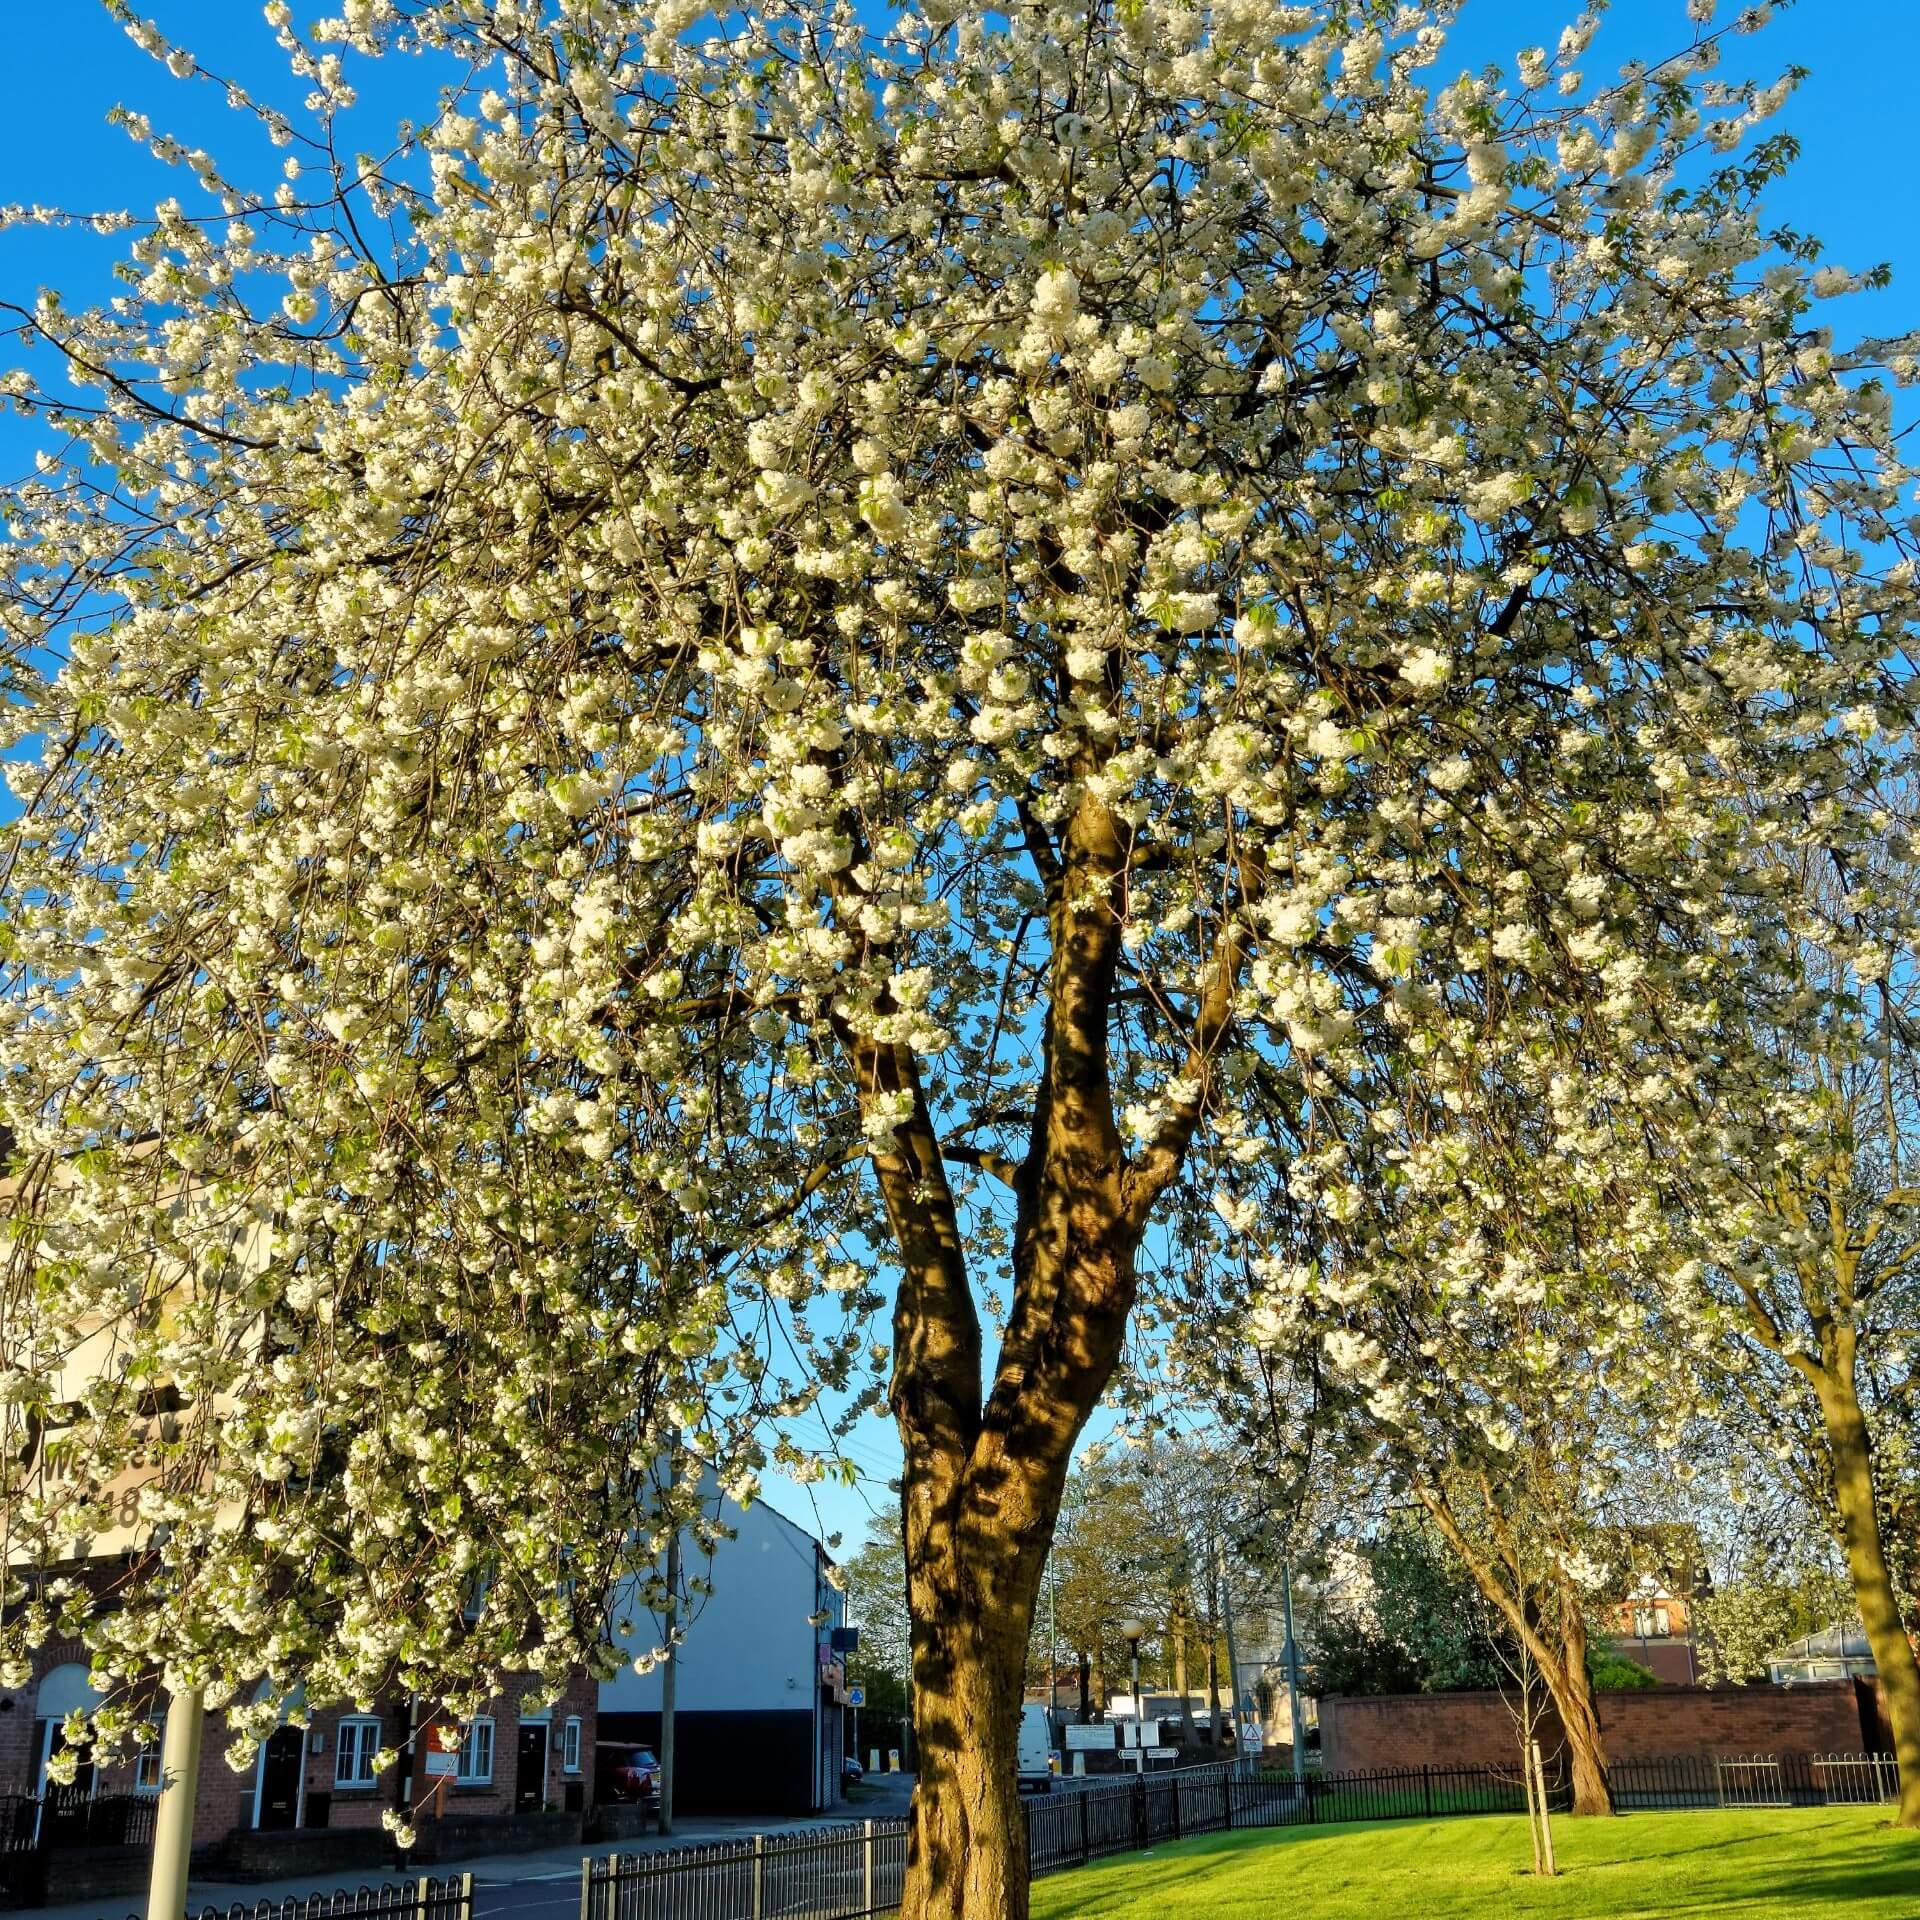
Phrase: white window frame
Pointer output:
(570, 1745)
(148, 1774)
(469, 1774)
(349, 1744)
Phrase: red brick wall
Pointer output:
(1475, 1729)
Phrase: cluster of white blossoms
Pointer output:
(526, 744)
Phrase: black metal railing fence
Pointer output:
(446, 1898)
(70, 1818)
(856, 1872)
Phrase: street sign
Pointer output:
(856, 1696)
(439, 1766)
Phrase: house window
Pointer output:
(1652, 1623)
(354, 1747)
(476, 1754)
(570, 1747)
(146, 1764)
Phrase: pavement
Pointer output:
(514, 1886)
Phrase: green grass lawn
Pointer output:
(1733, 1866)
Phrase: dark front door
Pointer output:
(530, 1783)
(65, 1811)
(280, 1766)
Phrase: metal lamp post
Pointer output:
(1130, 1631)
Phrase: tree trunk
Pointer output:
(1188, 1735)
(1572, 1690)
(967, 1838)
(1213, 1687)
(984, 1473)
(1213, 1645)
(1850, 1451)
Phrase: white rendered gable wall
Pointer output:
(748, 1646)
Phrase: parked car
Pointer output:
(633, 1776)
(851, 1771)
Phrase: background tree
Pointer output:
(1413, 1623)
(1745, 1622)
(876, 1588)
(1106, 1567)
(1806, 1284)
(929, 650)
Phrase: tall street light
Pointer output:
(1130, 1631)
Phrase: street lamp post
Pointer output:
(1295, 1731)
(1130, 1631)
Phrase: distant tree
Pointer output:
(1425, 1601)
(1417, 1624)
(876, 1587)
(1769, 1604)
(1615, 1673)
(1350, 1655)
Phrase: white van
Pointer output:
(1034, 1763)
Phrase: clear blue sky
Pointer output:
(69, 63)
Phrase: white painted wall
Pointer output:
(749, 1647)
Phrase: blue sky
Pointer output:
(71, 63)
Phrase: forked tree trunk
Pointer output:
(980, 1500)
(1849, 1448)
(984, 1471)
(976, 1527)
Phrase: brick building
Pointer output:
(1663, 1570)
(312, 1797)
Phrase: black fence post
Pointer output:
(1140, 1811)
(1176, 1805)
(1086, 1844)
(1226, 1799)
(1426, 1787)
